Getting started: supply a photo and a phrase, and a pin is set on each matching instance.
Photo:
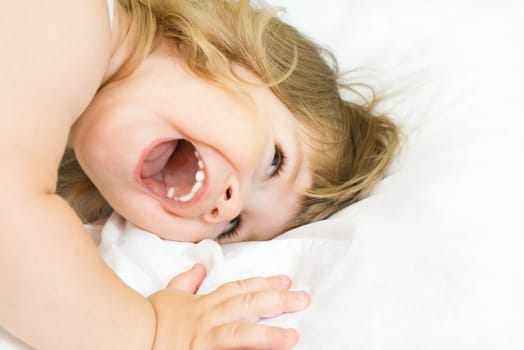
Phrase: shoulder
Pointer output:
(57, 47)
(53, 56)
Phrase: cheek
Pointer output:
(103, 147)
(86, 139)
(277, 208)
(94, 157)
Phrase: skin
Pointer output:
(56, 291)
(164, 101)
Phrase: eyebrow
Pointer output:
(297, 159)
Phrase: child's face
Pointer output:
(137, 142)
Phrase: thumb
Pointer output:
(190, 280)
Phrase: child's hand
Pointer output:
(225, 318)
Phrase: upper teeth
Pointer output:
(199, 180)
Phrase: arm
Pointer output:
(56, 291)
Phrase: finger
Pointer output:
(251, 336)
(190, 280)
(251, 307)
(250, 285)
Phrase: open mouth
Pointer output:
(173, 170)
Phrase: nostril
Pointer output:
(214, 212)
(229, 193)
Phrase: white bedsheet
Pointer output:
(432, 259)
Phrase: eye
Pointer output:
(277, 164)
(231, 231)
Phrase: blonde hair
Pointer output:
(352, 144)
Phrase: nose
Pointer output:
(228, 205)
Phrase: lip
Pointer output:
(170, 204)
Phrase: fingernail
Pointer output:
(290, 336)
(285, 282)
(302, 298)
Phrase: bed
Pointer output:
(433, 257)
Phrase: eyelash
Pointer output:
(281, 165)
(234, 232)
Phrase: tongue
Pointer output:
(180, 169)
(157, 159)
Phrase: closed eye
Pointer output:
(231, 231)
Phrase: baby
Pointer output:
(193, 120)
